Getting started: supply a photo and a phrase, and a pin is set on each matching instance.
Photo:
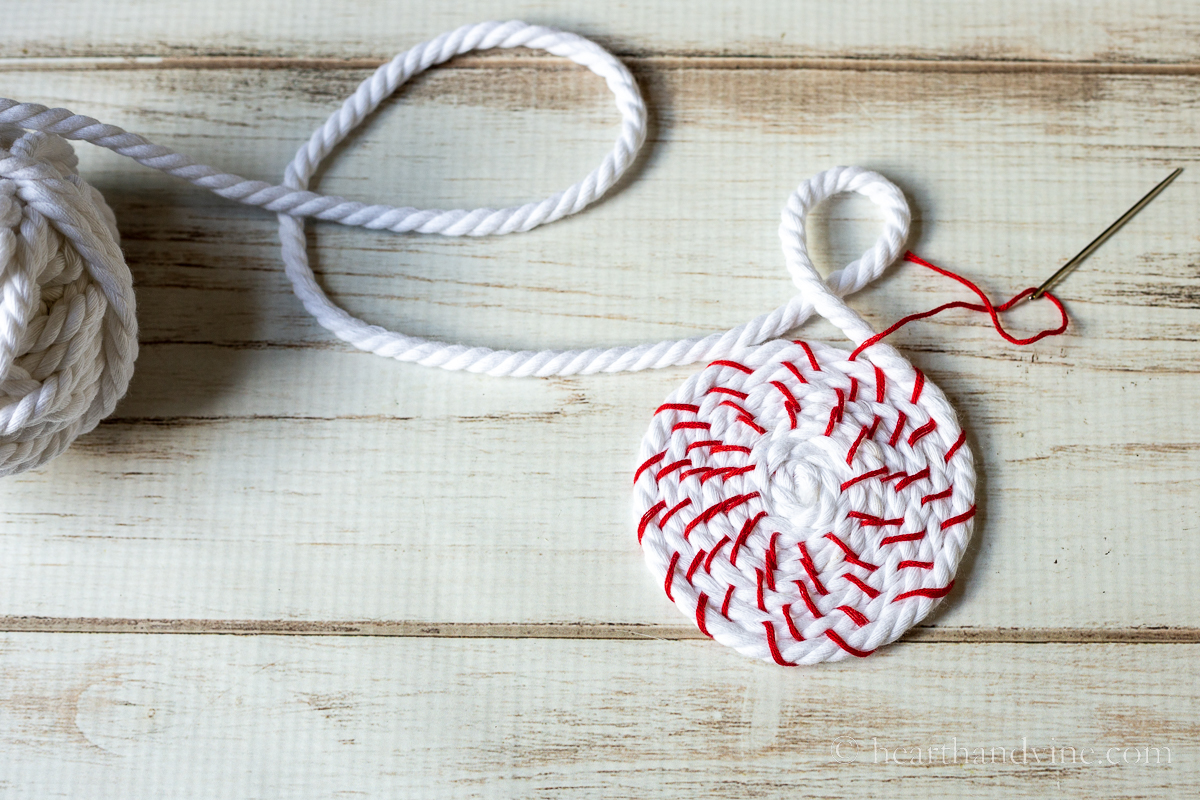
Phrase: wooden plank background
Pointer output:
(432, 577)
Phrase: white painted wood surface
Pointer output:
(263, 479)
(231, 717)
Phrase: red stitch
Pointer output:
(808, 601)
(811, 569)
(650, 462)
(867, 520)
(911, 479)
(701, 518)
(759, 577)
(811, 358)
(684, 426)
(929, 498)
(691, 570)
(932, 593)
(683, 504)
(854, 447)
(725, 603)
(649, 515)
(730, 448)
(880, 382)
(855, 616)
(963, 517)
(677, 407)
(918, 386)
(835, 413)
(747, 529)
(922, 432)
(790, 404)
(771, 563)
(873, 473)
(869, 591)
(760, 430)
(853, 390)
(962, 437)
(724, 507)
(917, 564)
(902, 537)
(733, 472)
(775, 654)
(671, 468)
(899, 427)
(713, 553)
(701, 605)
(671, 575)
(893, 476)
(787, 617)
(687, 473)
(792, 369)
(724, 390)
(840, 642)
(725, 472)
(788, 397)
(874, 426)
(706, 443)
(733, 365)
(851, 556)
(735, 407)
(738, 500)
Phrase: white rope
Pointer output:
(68, 333)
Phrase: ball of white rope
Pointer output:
(68, 334)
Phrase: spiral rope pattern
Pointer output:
(802, 504)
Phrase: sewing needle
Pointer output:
(1068, 267)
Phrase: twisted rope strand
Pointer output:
(293, 201)
(68, 327)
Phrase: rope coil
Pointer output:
(806, 504)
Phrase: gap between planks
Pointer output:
(636, 63)
(566, 630)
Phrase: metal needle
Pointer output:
(1066, 268)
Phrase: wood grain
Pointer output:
(556, 630)
(218, 716)
(1124, 31)
(269, 473)
(284, 568)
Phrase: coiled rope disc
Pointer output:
(801, 505)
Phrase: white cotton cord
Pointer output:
(626, 358)
(288, 199)
(68, 332)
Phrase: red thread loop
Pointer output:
(992, 311)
